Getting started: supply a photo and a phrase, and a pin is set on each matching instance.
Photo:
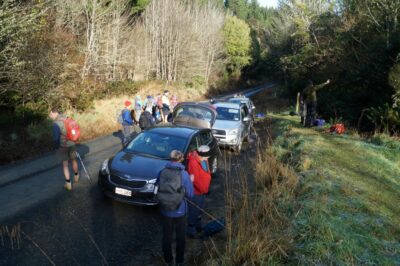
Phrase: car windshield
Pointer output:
(156, 145)
(225, 113)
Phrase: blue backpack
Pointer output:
(213, 227)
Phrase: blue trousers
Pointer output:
(194, 220)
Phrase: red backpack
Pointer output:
(337, 128)
(72, 128)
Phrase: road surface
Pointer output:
(42, 224)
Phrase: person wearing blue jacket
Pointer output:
(127, 122)
(176, 218)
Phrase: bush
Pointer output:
(38, 132)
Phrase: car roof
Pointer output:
(227, 104)
(169, 129)
(239, 99)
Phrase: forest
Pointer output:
(70, 53)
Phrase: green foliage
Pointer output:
(239, 8)
(385, 118)
(138, 6)
(394, 81)
(37, 132)
(237, 42)
(196, 82)
(351, 42)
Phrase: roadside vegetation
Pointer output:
(317, 198)
(338, 208)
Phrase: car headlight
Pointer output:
(152, 181)
(233, 131)
(104, 168)
(150, 186)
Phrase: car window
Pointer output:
(156, 145)
(205, 138)
(194, 143)
(245, 112)
(225, 113)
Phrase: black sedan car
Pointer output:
(130, 175)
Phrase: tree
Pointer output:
(237, 42)
(239, 8)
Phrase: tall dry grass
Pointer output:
(259, 212)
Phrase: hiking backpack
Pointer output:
(146, 120)
(72, 129)
(170, 189)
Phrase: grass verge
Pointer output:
(320, 199)
(348, 195)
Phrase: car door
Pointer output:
(245, 121)
(205, 137)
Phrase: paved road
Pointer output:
(42, 224)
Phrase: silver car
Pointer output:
(233, 124)
(246, 101)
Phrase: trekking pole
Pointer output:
(206, 213)
(83, 166)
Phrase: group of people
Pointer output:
(146, 113)
(185, 219)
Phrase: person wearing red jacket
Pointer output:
(197, 165)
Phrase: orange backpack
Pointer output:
(337, 128)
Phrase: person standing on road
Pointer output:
(138, 107)
(198, 167)
(174, 102)
(65, 149)
(165, 105)
(127, 122)
(158, 114)
(175, 219)
(146, 120)
(310, 96)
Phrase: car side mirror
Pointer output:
(246, 119)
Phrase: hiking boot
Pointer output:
(68, 186)
(76, 178)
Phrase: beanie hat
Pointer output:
(127, 103)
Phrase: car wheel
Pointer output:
(238, 148)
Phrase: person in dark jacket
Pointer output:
(176, 219)
(310, 97)
(146, 119)
(197, 165)
(65, 149)
(127, 122)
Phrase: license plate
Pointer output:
(122, 191)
